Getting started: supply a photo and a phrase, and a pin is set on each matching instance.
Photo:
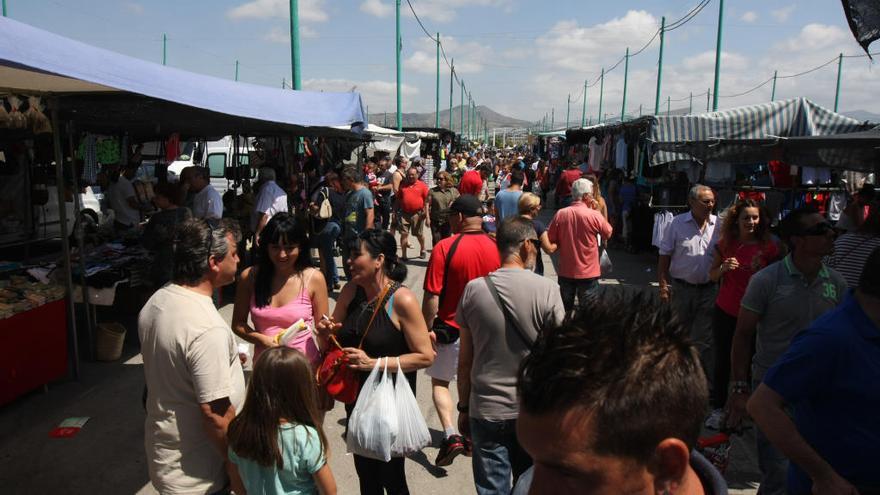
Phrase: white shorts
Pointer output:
(445, 365)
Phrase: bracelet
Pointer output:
(462, 408)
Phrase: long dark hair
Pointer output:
(282, 228)
(376, 242)
(282, 387)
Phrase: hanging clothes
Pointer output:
(836, 204)
(780, 174)
(88, 152)
(620, 152)
(172, 147)
(662, 220)
(719, 172)
(595, 154)
(812, 176)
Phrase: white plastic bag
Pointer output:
(412, 432)
(372, 426)
(605, 264)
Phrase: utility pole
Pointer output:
(567, 111)
(773, 91)
(236, 70)
(4, 8)
(437, 110)
(640, 109)
(625, 77)
(451, 80)
(164, 48)
(283, 83)
(553, 118)
(691, 104)
(660, 65)
(839, 71)
(461, 111)
(718, 54)
(601, 92)
(708, 98)
(668, 105)
(397, 43)
(584, 111)
(296, 76)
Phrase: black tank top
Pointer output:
(383, 340)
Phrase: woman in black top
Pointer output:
(398, 330)
(159, 232)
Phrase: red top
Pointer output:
(563, 188)
(471, 183)
(412, 196)
(575, 229)
(752, 258)
(475, 256)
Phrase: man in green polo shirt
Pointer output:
(781, 300)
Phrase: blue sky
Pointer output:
(519, 57)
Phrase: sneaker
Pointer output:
(716, 419)
(451, 447)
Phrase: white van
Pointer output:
(219, 156)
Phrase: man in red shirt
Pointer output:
(563, 187)
(411, 198)
(472, 181)
(455, 261)
(575, 229)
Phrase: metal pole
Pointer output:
(567, 111)
(584, 111)
(625, 77)
(283, 83)
(236, 70)
(773, 91)
(691, 104)
(461, 111)
(77, 208)
(4, 8)
(601, 92)
(640, 109)
(437, 118)
(718, 54)
(397, 43)
(668, 105)
(451, 80)
(386, 119)
(65, 241)
(708, 98)
(839, 71)
(552, 118)
(660, 65)
(296, 77)
(164, 48)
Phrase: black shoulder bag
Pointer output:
(446, 333)
(508, 318)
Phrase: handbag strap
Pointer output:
(446, 269)
(380, 301)
(508, 318)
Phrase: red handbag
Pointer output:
(334, 375)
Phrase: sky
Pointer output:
(521, 58)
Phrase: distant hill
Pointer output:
(863, 115)
(427, 119)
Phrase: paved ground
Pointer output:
(107, 456)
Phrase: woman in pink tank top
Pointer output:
(281, 289)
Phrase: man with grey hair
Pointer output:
(271, 199)
(500, 316)
(683, 270)
(576, 229)
(194, 379)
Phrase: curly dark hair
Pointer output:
(625, 360)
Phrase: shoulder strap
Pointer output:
(380, 302)
(446, 270)
(508, 318)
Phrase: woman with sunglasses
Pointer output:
(745, 246)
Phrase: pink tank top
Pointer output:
(271, 321)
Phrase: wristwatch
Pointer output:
(462, 408)
(740, 387)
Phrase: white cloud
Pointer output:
(134, 8)
(750, 17)
(706, 61)
(309, 10)
(375, 93)
(377, 8)
(282, 36)
(816, 37)
(783, 14)
(468, 57)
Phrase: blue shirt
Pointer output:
(356, 205)
(303, 457)
(831, 376)
(507, 204)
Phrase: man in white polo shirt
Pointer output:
(271, 199)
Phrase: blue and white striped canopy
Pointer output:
(784, 118)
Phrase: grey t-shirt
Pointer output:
(535, 303)
(787, 304)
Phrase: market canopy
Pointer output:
(93, 85)
(780, 119)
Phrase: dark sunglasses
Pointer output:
(817, 230)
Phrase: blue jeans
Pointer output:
(498, 459)
(326, 241)
(583, 288)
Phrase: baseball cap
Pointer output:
(468, 205)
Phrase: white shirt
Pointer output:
(689, 247)
(190, 358)
(119, 194)
(270, 200)
(207, 203)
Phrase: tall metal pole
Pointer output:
(584, 111)
(451, 81)
(668, 105)
(691, 104)
(437, 119)
(4, 8)
(164, 48)
(718, 54)
(295, 73)
(773, 91)
(625, 77)
(568, 111)
(601, 92)
(461, 111)
(660, 65)
(236, 70)
(397, 43)
(708, 98)
(553, 118)
(839, 71)
(640, 109)
(283, 83)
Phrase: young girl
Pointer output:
(276, 444)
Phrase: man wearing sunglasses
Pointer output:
(782, 299)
